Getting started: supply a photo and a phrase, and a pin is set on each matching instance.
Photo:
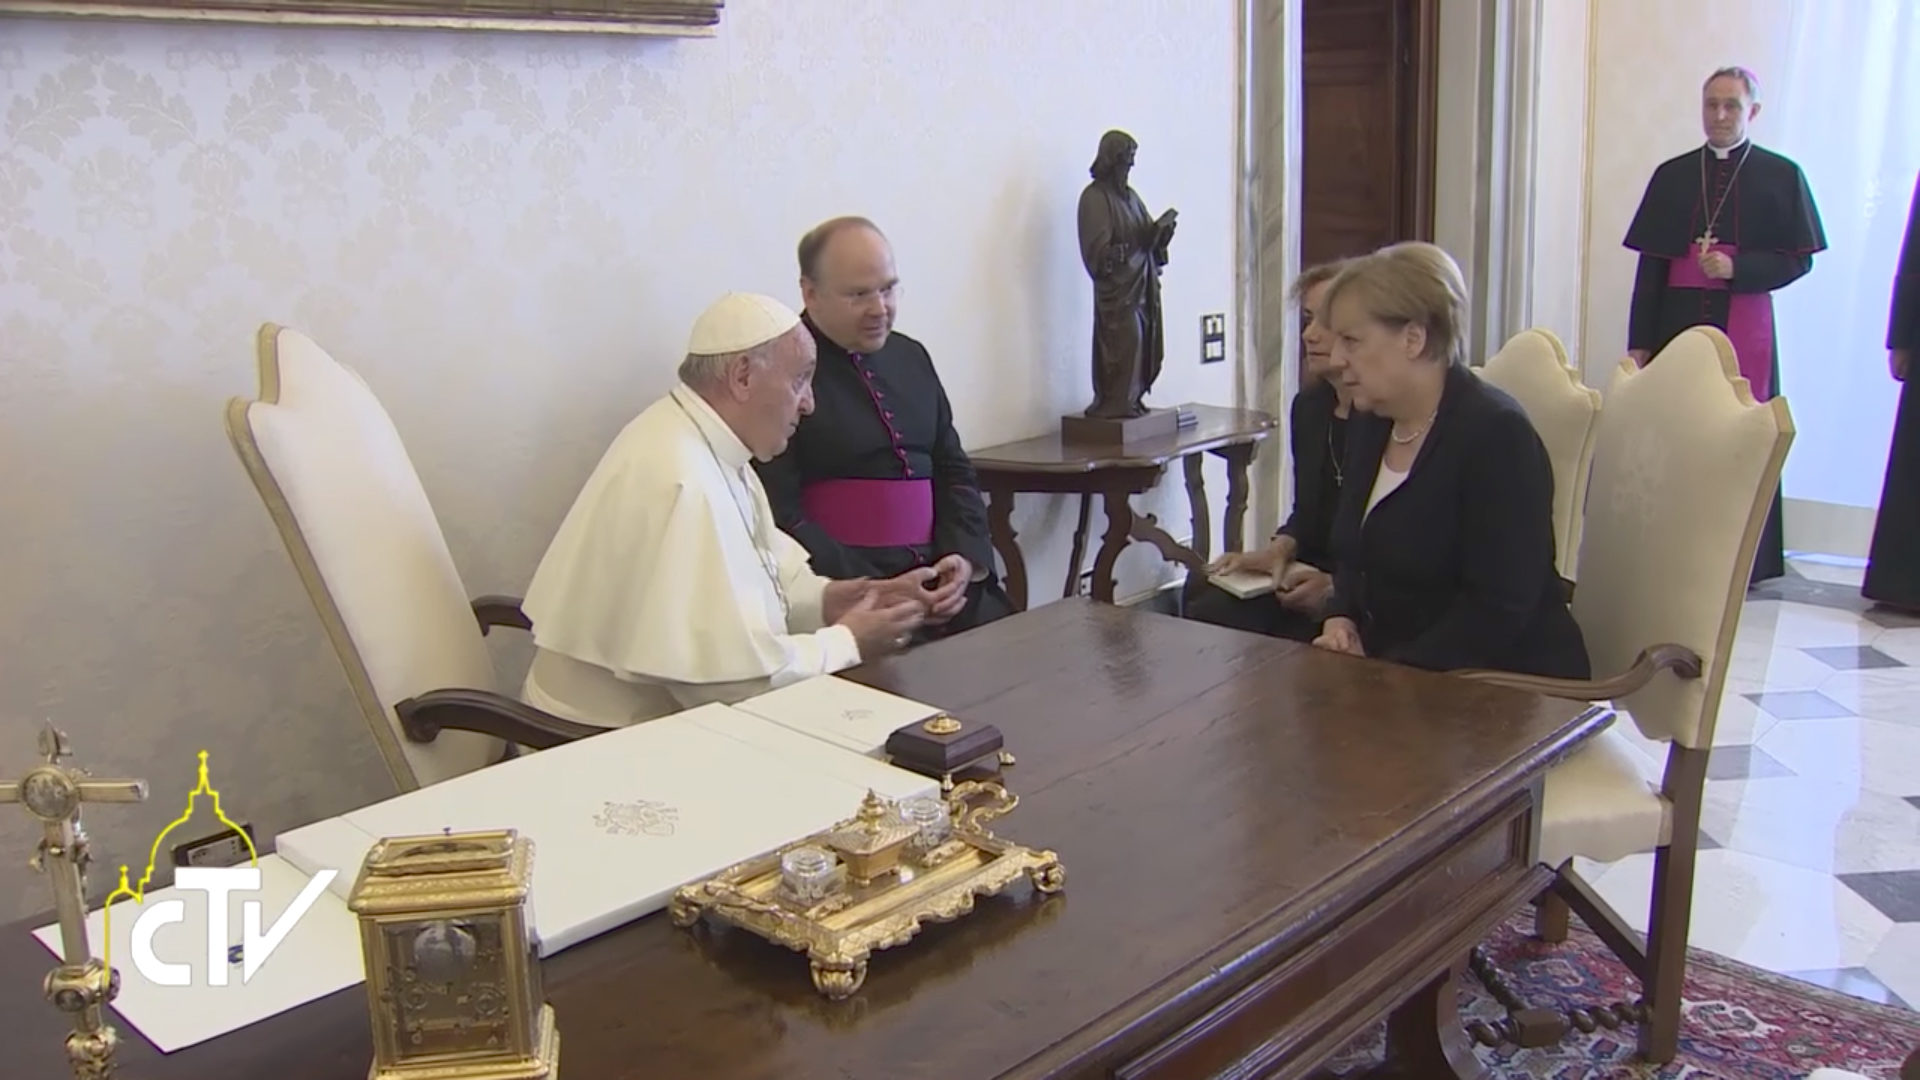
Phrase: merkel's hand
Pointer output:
(1340, 634)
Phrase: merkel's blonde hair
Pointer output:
(1410, 284)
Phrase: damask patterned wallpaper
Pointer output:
(508, 236)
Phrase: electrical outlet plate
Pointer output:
(1213, 338)
(1083, 585)
(224, 848)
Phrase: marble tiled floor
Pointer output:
(1810, 847)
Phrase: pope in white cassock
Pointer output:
(668, 585)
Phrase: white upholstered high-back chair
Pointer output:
(343, 493)
(1684, 469)
(1533, 367)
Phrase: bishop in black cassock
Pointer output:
(1893, 563)
(874, 481)
(1718, 230)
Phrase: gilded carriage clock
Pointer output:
(453, 969)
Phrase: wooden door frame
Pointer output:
(1496, 206)
(1425, 113)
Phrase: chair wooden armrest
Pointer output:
(492, 611)
(424, 717)
(1678, 659)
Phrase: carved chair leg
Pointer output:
(1660, 966)
(1533, 1027)
(1523, 1027)
(1667, 953)
(1552, 917)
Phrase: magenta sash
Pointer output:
(1749, 319)
(872, 513)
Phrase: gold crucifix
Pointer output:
(82, 985)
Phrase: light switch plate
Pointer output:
(1213, 338)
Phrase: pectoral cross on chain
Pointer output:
(81, 986)
(1706, 241)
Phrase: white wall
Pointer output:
(508, 236)
(1560, 162)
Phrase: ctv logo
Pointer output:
(219, 884)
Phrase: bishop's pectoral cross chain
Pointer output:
(1706, 239)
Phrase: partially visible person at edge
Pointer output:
(1893, 563)
(1443, 541)
(1299, 554)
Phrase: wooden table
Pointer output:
(1046, 465)
(1267, 849)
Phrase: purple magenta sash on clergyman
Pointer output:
(872, 513)
(1749, 319)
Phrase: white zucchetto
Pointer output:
(740, 321)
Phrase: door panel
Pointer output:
(1367, 125)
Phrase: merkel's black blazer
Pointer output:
(1455, 568)
(1315, 495)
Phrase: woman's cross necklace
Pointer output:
(1706, 238)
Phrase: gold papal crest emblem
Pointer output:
(637, 818)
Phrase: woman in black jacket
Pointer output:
(1299, 558)
(1444, 533)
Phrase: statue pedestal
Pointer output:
(1100, 431)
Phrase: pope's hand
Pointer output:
(882, 622)
(948, 595)
(1340, 634)
(911, 585)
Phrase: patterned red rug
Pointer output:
(1740, 1023)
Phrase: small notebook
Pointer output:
(1243, 583)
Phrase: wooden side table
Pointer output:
(1046, 465)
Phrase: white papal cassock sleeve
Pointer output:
(661, 582)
